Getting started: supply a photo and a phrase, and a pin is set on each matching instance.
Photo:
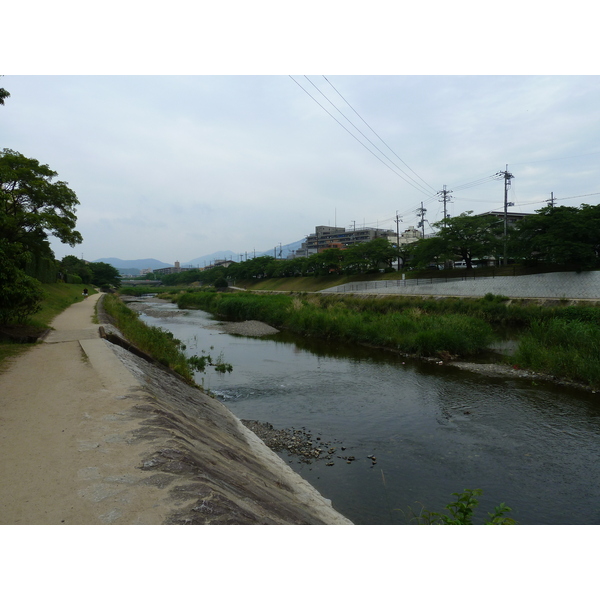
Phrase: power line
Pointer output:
(378, 136)
(359, 141)
(366, 138)
(581, 196)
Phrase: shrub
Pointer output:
(20, 295)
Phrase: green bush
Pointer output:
(20, 295)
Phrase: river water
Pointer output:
(433, 430)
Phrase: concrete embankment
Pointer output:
(573, 286)
(93, 434)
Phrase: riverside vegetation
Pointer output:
(159, 343)
(561, 341)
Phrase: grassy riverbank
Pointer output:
(57, 297)
(157, 342)
(412, 331)
(563, 341)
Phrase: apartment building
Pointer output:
(177, 268)
(326, 237)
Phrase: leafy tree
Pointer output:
(379, 252)
(32, 206)
(429, 250)
(104, 274)
(3, 94)
(71, 265)
(20, 295)
(470, 236)
(561, 235)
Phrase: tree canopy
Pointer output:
(32, 207)
(465, 236)
(561, 235)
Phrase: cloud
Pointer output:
(177, 167)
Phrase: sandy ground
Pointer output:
(90, 434)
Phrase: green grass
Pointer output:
(569, 349)
(563, 341)
(349, 320)
(59, 296)
(155, 341)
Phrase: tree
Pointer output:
(427, 251)
(561, 235)
(71, 265)
(470, 236)
(20, 295)
(3, 94)
(32, 206)
(104, 275)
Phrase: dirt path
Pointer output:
(78, 428)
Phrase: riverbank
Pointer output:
(102, 436)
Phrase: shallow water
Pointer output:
(434, 430)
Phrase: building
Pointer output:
(326, 237)
(175, 269)
(511, 217)
(408, 236)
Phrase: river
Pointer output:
(433, 430)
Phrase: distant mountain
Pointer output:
(281, 252)
(139, 264)
(207, 259)
(133, 267)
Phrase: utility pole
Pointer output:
(398, 221)
(445, 199)
(421, 213)
(507, 177)
(551, 201)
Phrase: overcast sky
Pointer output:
(173, 167)
(178, 166)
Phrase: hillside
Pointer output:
(140, 263)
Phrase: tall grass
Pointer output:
(155, 341)
(405, 329)
(565, 348)
(560, 340)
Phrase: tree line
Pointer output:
(562, 236)
(360, 258)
